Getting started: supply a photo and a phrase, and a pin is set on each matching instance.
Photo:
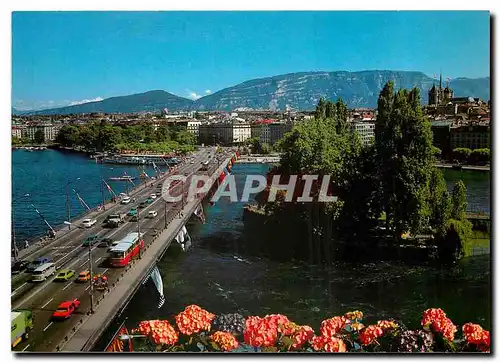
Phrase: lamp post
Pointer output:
(68, 206)
(14, 245)
(91, 291)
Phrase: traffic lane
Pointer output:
(79, 252)
(46, 334)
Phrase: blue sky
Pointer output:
(61, 58)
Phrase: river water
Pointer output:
(217, 274)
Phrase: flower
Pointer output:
(231, 323)
(328, 344)
(193, 320)
(260, 332)
(160, 331)
(475, 334)
(387, 324)
(357, 326)
(302, 335)
(280, 321)
(226, 341)
(437, 319)
(354, 315)
(370, 334)
(332, 326)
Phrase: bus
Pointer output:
(126, 249)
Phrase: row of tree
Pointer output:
(472, 157)
(395, 178)
(102, 136)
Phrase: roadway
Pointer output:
(44, 298)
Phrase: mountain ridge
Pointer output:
(298, 90)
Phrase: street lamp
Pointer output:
(68, 207)
(14, 245)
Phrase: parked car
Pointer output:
(132, 212)
(65, 309)
(126, 200)
(65, 275)
(83, 276)
(91, 240)
(19, 266)
(152, 214)
(88, 222)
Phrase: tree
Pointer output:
(461, 154)
(459, 201)
(330, 110)
(342, 116)
(439, 200)
(320, 109)
(39, 136)
(15, 140)
(403, 142)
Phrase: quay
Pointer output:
(97, 310)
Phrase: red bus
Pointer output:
(121, 254)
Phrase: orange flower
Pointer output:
(226, 341)
(328, 344)
(260, 332)
(475, 334)
(194, 320)
(302, 335)
(357, 326)
(280, 321)
(354, 315)
(370, 334)
(439, 322)
(332, 326)
(387, 324)
(160, 331)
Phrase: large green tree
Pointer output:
(403, 142)
(439, 200)
(39, 136)
(459, 201)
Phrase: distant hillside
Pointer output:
(140, 102)
(301, 91)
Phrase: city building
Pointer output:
(265, 134)
(17, 132)
(49, 130)
(193, 127)
(441, 136)
(475, 135)
(365, 130)
(278, 129)
(224, 133)
(438, 96)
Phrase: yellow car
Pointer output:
(83, 276)
(65, 275)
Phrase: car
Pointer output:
(149, 200)
(105, 242)
(158, 193)
(153, 196)
(152, 214)
(123, 195)
(91, 240)
(88, 222)
(37, 263)
(19, 266)
(65, 275)
(83, 276)
(126, 200)
(186, 173)
(65, 309)
(143, 204)
(132, 212)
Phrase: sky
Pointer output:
(64, 58)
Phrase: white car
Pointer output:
(153, 196)
(152, 214)
(123, 195)
(126, 200)
(89, 222)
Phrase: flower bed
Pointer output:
(197, 330)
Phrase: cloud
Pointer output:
(72, 103)
(208, 91)
(193, 95)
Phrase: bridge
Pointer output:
(97, 310)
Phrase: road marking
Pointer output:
(97, 259)
(48, 326)
(87, 288)
(26, 347)
(13, 292)
(83, 263)
(67, 285)
(105, 270)
(47, 303)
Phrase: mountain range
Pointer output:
(297, 91)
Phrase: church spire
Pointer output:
(440, 80)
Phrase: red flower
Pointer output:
(161, 331)
(194, 320)
(302, 335)
(280, 321)
(332, 326)
(328, 344)
(226, 341)
(439, 322)
(370, 334)
(260, 332)
(475, 334)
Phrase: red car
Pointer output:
(65, 309)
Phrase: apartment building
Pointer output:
(365, 130)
